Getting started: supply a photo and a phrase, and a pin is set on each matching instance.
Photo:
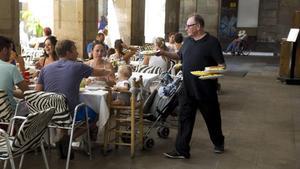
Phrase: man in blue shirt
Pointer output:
(64, 77)
(99, 37)
(10, 75)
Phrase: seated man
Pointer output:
(99, 37)
(10, 75)
(64, 77)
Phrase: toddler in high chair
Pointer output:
(122, 84)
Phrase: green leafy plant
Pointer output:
(32, 24)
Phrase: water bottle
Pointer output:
(141, 57)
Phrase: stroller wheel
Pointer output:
(148, 143)
(163, 132)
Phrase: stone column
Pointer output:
(122, 11)
(187, 7)
(102, 8)
(9, 20)
(268, 22)
(138, 22)
(76, 20)
(172, 16)
(274, 21)
(208, 9)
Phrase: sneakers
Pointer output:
(219, 149)
(175, 155)
(84, 145)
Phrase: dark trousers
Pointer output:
(210, 111)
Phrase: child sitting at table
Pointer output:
(123, 84)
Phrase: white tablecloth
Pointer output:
(97, 101)
(135, 63)
(148, 78)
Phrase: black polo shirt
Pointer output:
(196, 55)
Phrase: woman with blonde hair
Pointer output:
(158, 61)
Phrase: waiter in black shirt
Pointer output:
(199, 50)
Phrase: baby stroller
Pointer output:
(161, 103)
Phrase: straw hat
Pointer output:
(241, 33)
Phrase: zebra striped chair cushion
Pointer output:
(29, 136)
(148, 69)
(6, 112)
(3, 146)
(38, 101)
(32, 131)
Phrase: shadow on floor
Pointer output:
(236, 73)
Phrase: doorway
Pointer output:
(34, 16)
(154, 19)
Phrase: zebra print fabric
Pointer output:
(32, 131)
(148, 69)
(30, 134)
(38, 101)
(3, 146)
(6, 112)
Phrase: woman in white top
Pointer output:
(158, 61)
(171, 44)
(98, 53)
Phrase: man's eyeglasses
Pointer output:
(188, 26)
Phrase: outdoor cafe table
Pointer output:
(96, 99)
(148, 78)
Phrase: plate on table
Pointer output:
(149, 52)
(211, 76)
(32, 86)
(215, 69)
(178, 66)
(99, 83)
(93, 88)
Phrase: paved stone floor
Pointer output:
(261, 124)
